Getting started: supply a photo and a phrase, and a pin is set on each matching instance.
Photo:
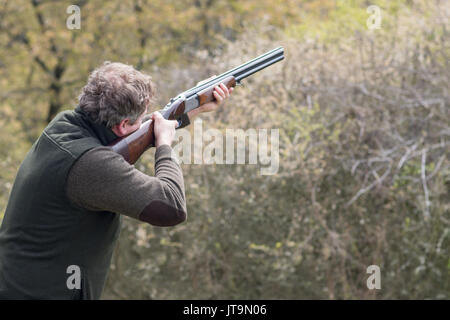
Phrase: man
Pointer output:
(64, 212)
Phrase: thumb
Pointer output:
(174, 123)
(156, 115)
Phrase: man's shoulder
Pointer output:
(100, 158)
(66, 131)
(93, 171)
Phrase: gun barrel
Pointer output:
(257, 67)
(242, 71)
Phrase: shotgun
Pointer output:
(132, 146)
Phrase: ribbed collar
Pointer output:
(103, 133)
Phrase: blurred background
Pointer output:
(363, 117)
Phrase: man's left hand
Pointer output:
(221, 92)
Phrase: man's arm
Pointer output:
(101, 180)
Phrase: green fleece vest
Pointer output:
(44, 238)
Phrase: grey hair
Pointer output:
(116, 91)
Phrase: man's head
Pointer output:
(117, 96)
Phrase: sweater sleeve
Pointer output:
(101, 180)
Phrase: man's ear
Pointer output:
(120, 129)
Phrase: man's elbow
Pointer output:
(162, 214)
(178, 216)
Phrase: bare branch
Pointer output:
(424, 183)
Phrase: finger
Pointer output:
(220, 91)
(225, 89)
(218, 97)
(156, 115)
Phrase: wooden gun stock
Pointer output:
(132, 146)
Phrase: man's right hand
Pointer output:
(164, 129)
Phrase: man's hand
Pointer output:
(164, 129)
(221, 92)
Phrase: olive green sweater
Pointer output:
(101, 180)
